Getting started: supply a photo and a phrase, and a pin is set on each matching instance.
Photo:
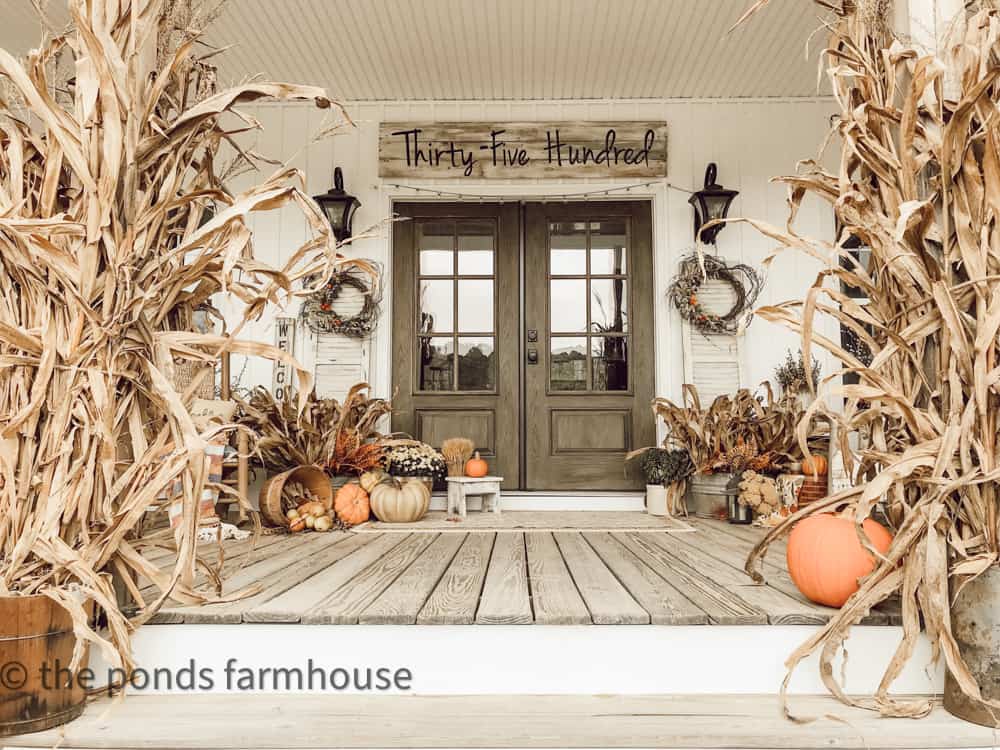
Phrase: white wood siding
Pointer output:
(752, 141)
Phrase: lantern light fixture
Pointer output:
(338, 206)
(710, 203)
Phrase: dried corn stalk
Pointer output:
(114, 230)
(918, 182)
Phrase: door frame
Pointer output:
(663, 375)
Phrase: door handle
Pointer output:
(532, 356)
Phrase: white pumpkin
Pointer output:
(400, 501)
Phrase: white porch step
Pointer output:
(558, 501)
(515, 659)
(669, 721)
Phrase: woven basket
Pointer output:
(312, 477)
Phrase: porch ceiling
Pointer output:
(506, 49)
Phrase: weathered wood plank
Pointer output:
(268, 573)
(721, 606)
(256, 722)
(505, 599)
(607, 600)
(456, 597)
(307, 590)
(352, 597)
(554, 597)
(664, 603)
(401, 602)
(725, 568)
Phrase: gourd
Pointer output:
(351, 504)
(372, 479)
(395, 501)
(476, 467)
(826, 559)
(815, 465)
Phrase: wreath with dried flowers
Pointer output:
(694, 270)
(321, 316)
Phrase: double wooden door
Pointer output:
(529, 329)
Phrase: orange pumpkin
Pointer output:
(815, 465)
(826, 559)
(476, 467)
(351, 504)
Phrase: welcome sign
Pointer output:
(522, 150)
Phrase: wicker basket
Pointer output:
(312, 477)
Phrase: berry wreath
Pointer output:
(321, 316)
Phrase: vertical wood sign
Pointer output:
(525, 150)
(284, 340)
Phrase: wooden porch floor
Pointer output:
(533, 577)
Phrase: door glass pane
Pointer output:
(475, 305)
(568, 305)
(609, 355)
(608, 247)
(475, 249)
(608, 305)
(568, 363)
(437, 303)
(476, 363)
(437, 362)
(437, 245)
(568, 248)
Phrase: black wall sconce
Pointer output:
(710, 203)
(338, 206)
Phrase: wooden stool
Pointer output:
(459, 488)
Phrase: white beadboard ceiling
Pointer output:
(506, 49)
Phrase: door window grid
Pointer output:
(592, 356)
(456, 306)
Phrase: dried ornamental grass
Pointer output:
(114, 229)
(918, 182)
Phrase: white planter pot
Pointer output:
(656, 499)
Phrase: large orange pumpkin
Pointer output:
(826, 559)
(815, 465)
(351, 504)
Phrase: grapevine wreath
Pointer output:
(694, 270)
(320, 313)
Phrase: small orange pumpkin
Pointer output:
(351, 504)
(476, 467)
(826, 559)
(815, 465)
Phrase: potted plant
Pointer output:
(666, 472)
(122, 232)
(411, 458)
(791, 375)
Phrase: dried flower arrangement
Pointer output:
(115, 228)
(343, 437)
(456, 452)
(919, 184)
(792, 376)
(734, 433)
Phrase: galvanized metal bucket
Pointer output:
(975, 623)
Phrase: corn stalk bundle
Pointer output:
(918, 182)
(754, 431)
(115, 228)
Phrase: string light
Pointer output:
(603, 192)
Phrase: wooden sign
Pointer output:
(527, 150)
(284, 339)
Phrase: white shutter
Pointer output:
(712, 361)
(339, 364)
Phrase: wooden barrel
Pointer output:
(312, 477)
(36, 633)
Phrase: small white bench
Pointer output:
(459, 488)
